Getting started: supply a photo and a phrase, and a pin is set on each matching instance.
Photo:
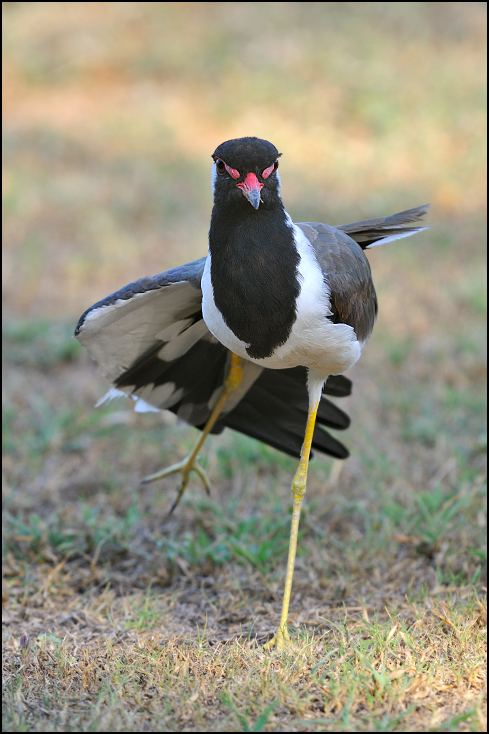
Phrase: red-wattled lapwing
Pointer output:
(254, 335)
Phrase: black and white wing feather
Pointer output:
(152, 343)
(386, 229)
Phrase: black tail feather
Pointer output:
(371, 231)
(274, 410)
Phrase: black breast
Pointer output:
(254, 276)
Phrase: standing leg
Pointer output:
(190, 463)
(298, 491)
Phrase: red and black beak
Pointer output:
(251, 188)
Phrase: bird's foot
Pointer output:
(279, 640)
(184, 468)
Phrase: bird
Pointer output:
(257, 334)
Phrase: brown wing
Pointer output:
(347, 273)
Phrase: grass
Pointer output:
(117, 617)
(129, 619)
(369, 676)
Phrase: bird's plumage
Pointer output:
(347, 272)
(127, 334)
(152, 343)
(255, 335)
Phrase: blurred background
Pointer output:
(112, 110)
(111, 114)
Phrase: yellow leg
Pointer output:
(190, 463)
(298, 491)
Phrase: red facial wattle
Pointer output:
(268, 171)
(251, 188)
(232, 171)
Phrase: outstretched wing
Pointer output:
(152, 343)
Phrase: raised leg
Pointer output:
(190, 463)
(298, 491)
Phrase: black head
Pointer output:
(245, 171)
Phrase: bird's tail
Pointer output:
(385, 229)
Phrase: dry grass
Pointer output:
(361, 675)
(117, 617)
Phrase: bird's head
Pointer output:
(245, 170)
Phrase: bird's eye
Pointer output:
(268, 171)
(221, 167)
